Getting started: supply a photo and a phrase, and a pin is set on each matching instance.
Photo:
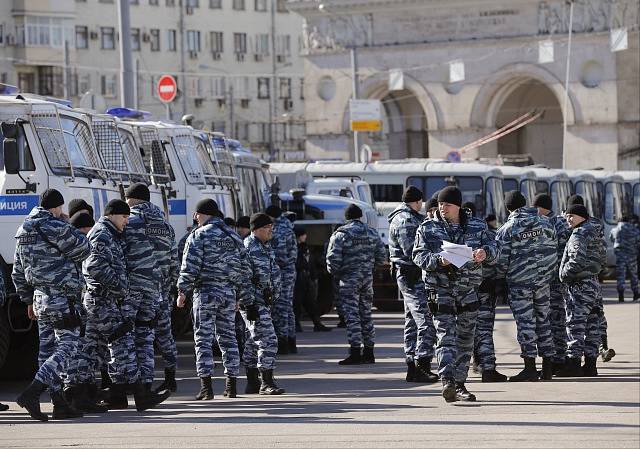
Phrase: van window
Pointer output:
(188, 158)
(26, 160)
(470, 186)
(387, 193)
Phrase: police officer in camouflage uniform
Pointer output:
(354, 250)
(286, 248)
(579, 269)
(214, 270)
(419, 333)
(163, 240)
(47, 279)
(261, 343)
(528, 257)
(111, 312)
(451, 292)
(3, 298)
(626, 241)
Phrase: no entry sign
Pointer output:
(167, 88)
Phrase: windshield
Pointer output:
(627, 200)
(528, 188)
(205, 161)
(154, 155)
(188, 158)
(613, 202)
(495, 200)
(133, 157)
(587, 190)
(470, 186)
(387, 193)
(364, 194)
(509, 184)
(542, 187)
(336, 191)
(560, 192)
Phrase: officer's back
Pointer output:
(625, 237)
(105, 270)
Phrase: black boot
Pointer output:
(341, 323)
(62, 409)
(169, 381)
(30, 399)
(620, 295)
(558, 367)
(449, 390)
(367, 355)
(253, 381)
(411, 371)
(82, 398)
(269, 386)
(206, 389)
(146, 399)
(492, 376)
(3, 407)
(319, 327)
(291, 344)
(117, 399)
(355, 358)
(571, 368)
(636, 296)
(423, 371)
(547, 369)
(528, 374)
(589, 368)
(283, 345)
(230, 387)
(105, 380)
(462, 394)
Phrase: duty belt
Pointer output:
(447, 309)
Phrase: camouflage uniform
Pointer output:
(528, 257)
(626, 240)
(165, 253)
(419, 332)
(599, 229)
(46, 276)
(354, 251)
(261, 346)
(483, 347)
(557, 300)
(213, 269)
(579, 269)
(286, 250)
(454, 289)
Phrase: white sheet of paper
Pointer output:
(458, 255)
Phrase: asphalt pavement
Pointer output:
(371, 406)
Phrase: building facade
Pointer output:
(231, 75)
(449, 72)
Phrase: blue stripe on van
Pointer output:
(177, 207)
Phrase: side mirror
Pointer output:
(11, 158)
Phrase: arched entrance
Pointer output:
(542, 139)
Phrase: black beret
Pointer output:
(259, 220)
(207, 206)
(514, 200)
(352, 212)
(138, 191)
(82, 219)
(117, 207)
(51, 198)
(412, 194)
(78, 204)
(575, 199)
(433, 202)
(273, 211)
(243, 222)
(230, 222)
(578, 209)
(543, 200)
(451, 195)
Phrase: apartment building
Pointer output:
(232, 76)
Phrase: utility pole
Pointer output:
(272, 97)
(566, 90)
(183, 83)
(65, 70)
(355, 95)
(231, 131)
(126, 65)
(136, 90)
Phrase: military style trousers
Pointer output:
(558, 320)
(626, 262)
(165, 343)
(142, 309)
(261, 343)
(530, 307)
(58, 342)
(214, 312)
(284, 318)
(584, 317)
(354, 302)
(419, 332)
(455, 323)
(483, 346)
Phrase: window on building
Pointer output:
(215, 4)
(240, 42)
(82, 37)
(135, 39)
(170, 3)
(302, 88)
(193, 40)
(282, 6)
(261, 5)
(219, 126)
(285, 87)
(50, 81)
(154, 2)
(154, 37)
(26, 82)
(42, 31)
(241, 87)
(262, 44)
(283, 45)
(217, 43)
(107, 38)
(238, 5)
(218, 87)
(84, 83)
(264, 91)
(192, 3)
(171, 40)
(108, 85)
(263, 132)
(1, 34)
(242, 130)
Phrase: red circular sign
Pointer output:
(167, 88)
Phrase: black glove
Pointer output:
(253, 314)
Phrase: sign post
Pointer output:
(365, 115)
(167, 89)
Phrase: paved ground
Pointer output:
(371, 406)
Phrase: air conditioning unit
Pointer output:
(240, 57)
(281, 58)
(287, 104)
(221, 102)
(93, 35)
(189, 10)
(193, 54)
(146, 37)
(244, 103)
(198, 102)
(257, 57)
(215, 56)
